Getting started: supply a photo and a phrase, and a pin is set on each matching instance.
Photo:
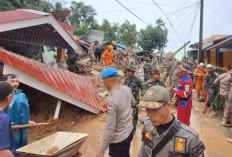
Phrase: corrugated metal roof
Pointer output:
(18, 15)
(77, 86)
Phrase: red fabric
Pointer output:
(183, 115)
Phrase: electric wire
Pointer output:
(131, 12)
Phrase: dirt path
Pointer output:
(211, 132)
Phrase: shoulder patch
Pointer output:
(198, 150)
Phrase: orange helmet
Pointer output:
(110, 47)
(77, 39)
(113, 42)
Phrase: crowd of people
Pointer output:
(163, 133)
(162, 130)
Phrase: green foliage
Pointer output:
(40, 5)
(127, 33)
(58, 7)
(110, 31)
(81, 14)
(153, 37)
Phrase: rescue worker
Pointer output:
(91, 51)
(154, 62)
(200, 72)
(135, 85)
(138, 60)
(210, 88)
(107, 57)
(224, 81)
(118, 133)
(129, 51)
(147, 69)
(19, 112)
(98, 53)
(169, 73)
(175, 79)
(163, 135)
(184, 95)
(132, 60)
(230, 101)
(155, 80)
(125, 64)
(118, 58)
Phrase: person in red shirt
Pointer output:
(184, 95)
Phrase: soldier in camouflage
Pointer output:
(135, 85)
(155, 80)
(147, 69)
(210, 88)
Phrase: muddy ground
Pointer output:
(73, 119)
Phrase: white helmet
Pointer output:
(208, 66)
(201, 64)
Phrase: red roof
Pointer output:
(77, 86)
(18, 15)
(214, 38)
(69, 28)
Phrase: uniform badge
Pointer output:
(198, 150)
(180, 145)
(105, 106)
(149, 93)
(187, 88)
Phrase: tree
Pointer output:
(81, 14)
(153, 37)
(40, 5)
(127, 33)
(58, 7)
(110, 31)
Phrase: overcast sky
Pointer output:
(217, 17)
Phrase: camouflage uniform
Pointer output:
(150, 83)
(135, 84)
(147, 71)
(210, 88)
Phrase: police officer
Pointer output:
(147, 69)
(163, 135)
(119, 129)
(135, 84)
(155, 80)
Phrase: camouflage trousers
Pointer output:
(135, 114)
(212, 93)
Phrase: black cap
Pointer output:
(5, 90)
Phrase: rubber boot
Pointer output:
(225, 123)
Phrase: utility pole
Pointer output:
(185, 52)
(200, 53)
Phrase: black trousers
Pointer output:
(121, 149)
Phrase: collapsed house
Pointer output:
(23, 33)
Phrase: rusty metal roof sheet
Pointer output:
(77, 86)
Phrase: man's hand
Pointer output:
(100, 154)
(175, 89)
(31, 122)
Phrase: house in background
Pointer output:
(209, 42)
